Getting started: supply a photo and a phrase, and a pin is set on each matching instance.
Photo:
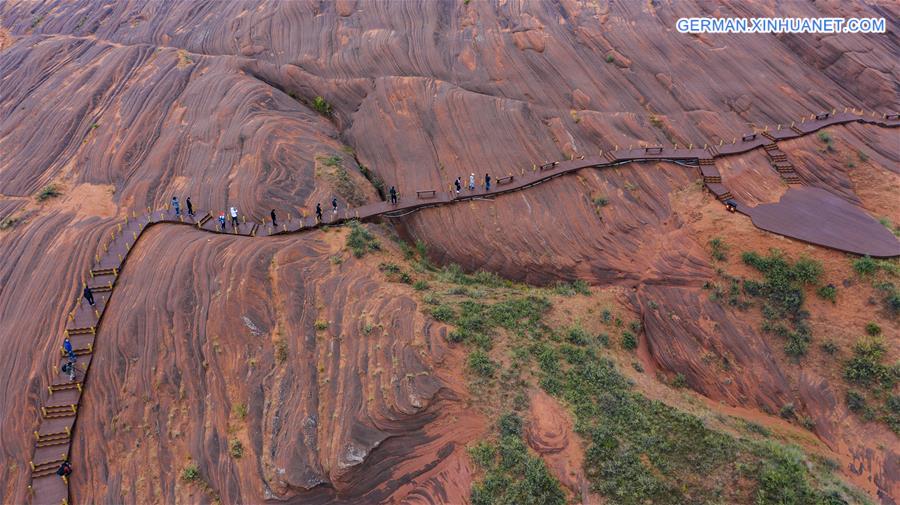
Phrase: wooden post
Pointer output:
(779, 127)
(690, 146)
(721, 142)
(734, 140)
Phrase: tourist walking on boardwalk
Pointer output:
(393, 195)
(189, 206)
(458, 183)
(65, 469)
(67, 347)
(274, 219)
(334, 204)
(487, 182)
(176, 206)
(318, 212)
(472, 182)
(234, 219)
(68, 368)
(88, 295)
(222, 220)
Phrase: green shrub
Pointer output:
(783, 296)
(782, 479)
(718, 249)
(603, 339)
(828, 292)
(872, 329)
(360, 240)
(610, 58)
(601, 201)
(865, 266)
(510, 424)
(9, 222)
(481, 364)
(680, 381)
(629, 340)
(865, 367)
(389, 268)
(578, 336)
(190, 473)
(47, 192)
(483, 454)
(825, 137)
(564, 289)
(443, 313)
(236, 448)
(321, 106)
(321, 325)
(420, 285)
(405, 278)
(829, 347)
(856, 402)
(787, 411)
(863, 157)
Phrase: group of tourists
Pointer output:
(459, 182)
(232, 212)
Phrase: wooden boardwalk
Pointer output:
(62, 397)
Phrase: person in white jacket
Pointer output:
(234, 219)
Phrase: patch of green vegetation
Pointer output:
(718, 249)
(360, 240)
(826, 138)
(443, 313)
(389, 268)
(829, 347)
(576, 287)
(872, 329)
(321, 106)
(47, 192)
(782, 293)
(512, 475)
(481, 364)
(190, 473)
(638, 451)
(321, 325)
(629, 340)
(610, 58)
(601, 201)
(8, 223)
(239, 410)
(455, 275)
(420, 285)
(281, 350)
(890, 226)
(880, 273)
(341, 180)
(375, 179)
(863, 157)
(865, 266)
(37, 20)
(236, 448)
(866, 368)
(827, 292)
(680, 381)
